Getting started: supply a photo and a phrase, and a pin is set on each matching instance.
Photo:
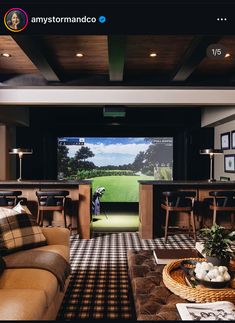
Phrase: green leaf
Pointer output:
(218, 241)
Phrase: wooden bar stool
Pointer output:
(9, 199)
(179, 201)
(51, 201)
(222, 201)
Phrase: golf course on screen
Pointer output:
(119, 188)
(116, 164)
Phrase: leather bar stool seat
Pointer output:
(51, 201)
(9, 199)
(222, 201)
(179, 201)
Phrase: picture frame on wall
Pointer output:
(225, 140)
(229, 163)
(233, 139)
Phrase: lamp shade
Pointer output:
(211, 151)
(22, 151)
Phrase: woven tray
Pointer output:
(174, 279)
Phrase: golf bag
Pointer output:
(96, 200)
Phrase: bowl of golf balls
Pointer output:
(211, 276)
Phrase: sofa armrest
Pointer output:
(57, 236)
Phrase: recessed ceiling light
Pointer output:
(152, 54)
(5, 54)
(79, 55)
(227, 55)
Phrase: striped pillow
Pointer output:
(18, 230)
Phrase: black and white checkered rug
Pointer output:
(99, 287)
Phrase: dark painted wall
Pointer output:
(46, 124)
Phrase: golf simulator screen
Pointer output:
(115, 163)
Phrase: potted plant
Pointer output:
(217, 244)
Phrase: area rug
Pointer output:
(99, 286)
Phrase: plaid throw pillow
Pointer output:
(18, 230)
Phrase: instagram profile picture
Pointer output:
(16, 19)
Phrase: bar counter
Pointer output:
(78, 208)
(152, 217)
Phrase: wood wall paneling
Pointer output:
(146, 211)
(84, 211)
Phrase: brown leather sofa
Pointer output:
(31, 293)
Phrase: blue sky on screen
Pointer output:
(112, 151)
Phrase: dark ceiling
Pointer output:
(115, 60)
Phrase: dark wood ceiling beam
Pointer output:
(193, 56)
(36, 51)
(116, 52)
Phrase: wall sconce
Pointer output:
(20, 152)
(211, 152)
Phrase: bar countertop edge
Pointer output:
(44, 182)
(187, 182)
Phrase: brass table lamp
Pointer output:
(20, 152)
(212, 153)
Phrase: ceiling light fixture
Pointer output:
(114, 124)
(79, 55)
(152, 54)
(114, 112)
(5, 55)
